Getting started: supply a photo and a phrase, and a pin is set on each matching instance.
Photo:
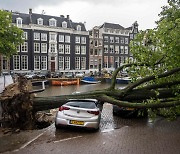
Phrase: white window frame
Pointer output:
(24, 62)
(43, 62)
(111, 39)
(52, 48)
(61, 48)
(83, 63)
(116, 39)
(125, 49)
(67, 49)
(126, 40)
(121, 49)
(43, 47)
(67, 38)
(16, 62)
(105, 62)
(36, 36)
(43, 37)
(19, 22)
(36, 62)
(36, 47)
(40, 21)
(77, 63)
(77, 39)
(61, 38)
(83, 50)
(18, 48)
(106, 39)
(61, 62)
(78, 28)
(106, 48)
(67, 63)
(111, 49)
(116, 49)
(77, 49)
(52, 22)
(25, 36)
(53, 37)
(83, 40)
(24, 47)
(64, 24)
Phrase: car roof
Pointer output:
(86, 100)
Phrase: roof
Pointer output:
(32, 19)
(112, 25)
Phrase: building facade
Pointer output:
(52, 43)
(109, 46)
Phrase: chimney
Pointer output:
(67, 16)
(30, 11)
(62, 16)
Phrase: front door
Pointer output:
(52, 66)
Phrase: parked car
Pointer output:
(127, 112)
(31, 75)
(79, 75)
(79, 113)
(56, 75)
(42, 75)
(69, 75)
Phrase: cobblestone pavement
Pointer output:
(116, 136)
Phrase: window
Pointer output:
(64, 24)
(43, 37)
(52, 47)
(105, 48)
(111, 61)
(126, 40)
(122, 50)
(91, 51)
(131, 36)
(61, 38)
(77, 63)
(111, 39)
(116, 59)
(25, 36)
(36, 47)
(61, 62)
(67, 49)
(116, 39)
(4, 63)
(43, 48)
(105, 61)
(36, 62)
(77, 49)
(126, 49)
(78, 27)
(95, 52)
(83, 62)
(121, 59)
(67, 38)
(36, 36)
(52, 37)
(83, 40)
(52, 22)
(116, 49)
(77, 39)
(24, 62)
(44, 62)
(18, 48)
(135, 30)
(83, 50)
(24, 47)
(40, 21)
(67, 62)
(19, 22)
(16, 62)
(61, 48)
(105, 38)
(122, 40)
(111, 49)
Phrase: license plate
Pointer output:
(75, 122)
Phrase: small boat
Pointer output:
(123, 80)
(64, 83)
(89, 80)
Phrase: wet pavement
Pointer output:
(116, 136)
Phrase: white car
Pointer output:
(79, 113)
(79, 75)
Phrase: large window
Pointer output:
(36, 47)
(77, 39)
(52, 37)
(111, 49)
(116, 49)
(19, 22)
(25, 36)
(61, 48)
(5, 63)
(105, 38)
(122, 50)
(61, 38)
(83, 50)
(111, 61)
(116, 39)
(67, 38)
(44, 62)
(83, 62)
(77, 49)
(36, 36)
(78, 27)
(67, 49)
(122, 40)
(83, 40)
(126, 49)
(105, 61)
(67, 62)
(43, 48)
(126, 41)
(105, 48)
(36, 62)
(116, 59)
(16, 62)
(111, 39)
(43, 37)
(64, 24)
(61, 62)
(24, 47)
(77, 63)
(40, 21)
(24, 62)
(52, 47)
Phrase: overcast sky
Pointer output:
(94, 12)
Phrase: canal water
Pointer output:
(66, 90)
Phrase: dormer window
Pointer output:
(52, 22)
(64, 24)
(78, 27)
(40, 21)
(19, 22)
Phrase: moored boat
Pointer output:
(89, 80)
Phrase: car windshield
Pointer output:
(81, 104)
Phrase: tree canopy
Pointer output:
(10, 35)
